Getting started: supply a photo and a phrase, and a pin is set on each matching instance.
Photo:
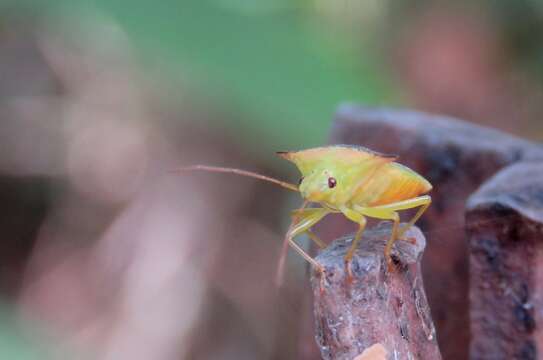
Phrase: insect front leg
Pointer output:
(314, 213)
(361, 221)
(302, 220)
(321, 244)
(305, 219)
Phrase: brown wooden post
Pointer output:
(387, 310)
(505, 232)
(456, 157)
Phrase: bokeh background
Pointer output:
(105, 254)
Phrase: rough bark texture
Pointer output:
(505, 228)
(378, 306)
(456, 157)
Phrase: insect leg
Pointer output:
(393, 238)
(301, 214)
(419, 213)
(422, 201)
(361, 221)
(356, 240)
(302, 253)
(303, 220)
(321, 244)
(385, 214)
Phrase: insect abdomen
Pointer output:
(391, 183)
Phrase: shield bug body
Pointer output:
(351, 180)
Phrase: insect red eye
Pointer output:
(332, 182)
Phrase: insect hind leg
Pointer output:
(389, 211)
(419, 213)
(422, 201)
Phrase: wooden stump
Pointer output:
(505, 232)
(387, 310)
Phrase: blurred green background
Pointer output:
(276, 67)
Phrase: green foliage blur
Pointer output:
(15, 343)
(279, 67)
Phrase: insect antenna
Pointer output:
(238, 172)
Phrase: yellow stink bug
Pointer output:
(350, 180)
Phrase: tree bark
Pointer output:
(380, 308)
